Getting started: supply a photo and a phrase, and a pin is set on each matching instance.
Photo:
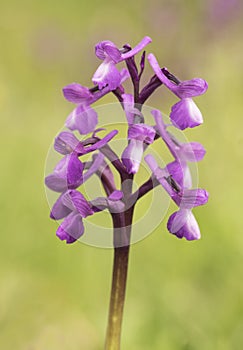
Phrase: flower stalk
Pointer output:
(117, 299)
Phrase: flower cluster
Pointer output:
(71, 171)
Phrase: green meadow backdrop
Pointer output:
(181, 295)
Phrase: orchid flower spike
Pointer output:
(91, 155)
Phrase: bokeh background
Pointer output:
(180, 295)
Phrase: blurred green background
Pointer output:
(180, 295)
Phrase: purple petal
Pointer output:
(71, 228)
(183, 224)
(76, 93)
(191, 88)
(56, 183)
(192, 198)
(113, 52)
(192, 151)
(99, 48)
(59, 210)
(74, 171)
(107, 74)
(116, 195)
(132, 156)
(139, 47)
(75, 201)
(141, 132)
(65, 142)
(83, 118)
(185, 114)
(107, 48)
(68, 173)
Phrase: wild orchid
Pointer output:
(73, 170)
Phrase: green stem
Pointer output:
(117, 300)
(122, 230)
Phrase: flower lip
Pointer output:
(107, 75)
(185, 114)
(183, 224)
(71, 228)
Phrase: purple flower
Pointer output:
(192, 151)
(79, 94)
(139, 136)
(84, 118)
(185, 113)
(183, 224)
(68, 173)
(73, 207)
(107, 74)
